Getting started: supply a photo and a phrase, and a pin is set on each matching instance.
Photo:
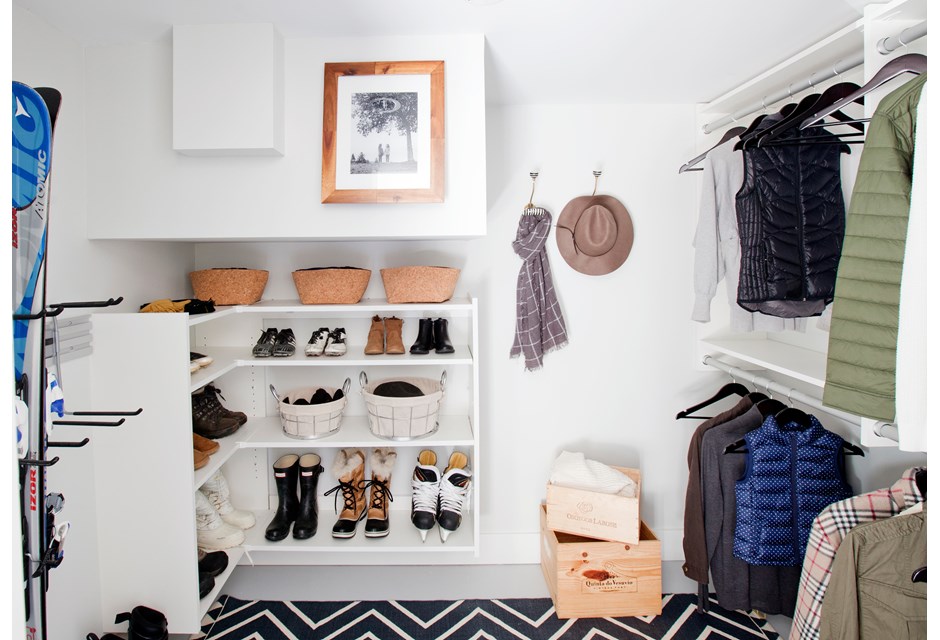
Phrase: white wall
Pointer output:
(144, 189)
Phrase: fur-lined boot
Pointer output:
(382, 461)
(349, 471)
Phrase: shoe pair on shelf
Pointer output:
(385, 337)
(198, 361)
(210, 566)
(219, 525)
(432, 334)
(280, 344)
(324, 342)
(439, 498)
(349, 469)
(210, 418)
(202, 449)
(290, 471)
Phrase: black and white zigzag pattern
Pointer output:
(514, 619)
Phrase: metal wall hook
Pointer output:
(32, 462)
(533, 175)
(73, 445)
(105, 413)
(110, 302)
(51, 312)
(91, 423)
(597, 175)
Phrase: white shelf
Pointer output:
(224, 359)
(227, 446)
(454, 431)
(792, 361)
(234, 555)
(220, 312)
(402, 537)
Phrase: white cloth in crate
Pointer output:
(572, 470)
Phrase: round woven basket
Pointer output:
(229, 286)
(403, 419)
(419, 284)
(331, 285)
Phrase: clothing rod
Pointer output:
(884, 430)
(909, 35)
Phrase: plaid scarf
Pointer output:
(540, 327)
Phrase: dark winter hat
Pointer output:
(398, 389)
(594, 234)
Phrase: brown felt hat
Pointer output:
(594, 234)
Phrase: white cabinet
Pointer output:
(146, 508)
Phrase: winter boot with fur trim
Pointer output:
(212, 533)
(382, 461)
(310, 469)
(216, 489)
(285, 480)
(425, 489)
(349, 469)
(455, 487)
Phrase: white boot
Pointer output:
(212, 534)
(216, 489)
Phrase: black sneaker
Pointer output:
(265, 345)
(285, 344)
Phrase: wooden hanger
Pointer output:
(915, 63)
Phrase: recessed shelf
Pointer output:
(787, 359)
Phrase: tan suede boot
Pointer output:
(375, 345)
(204, 445)
(382, 461)
(349, 469)
(393, 342)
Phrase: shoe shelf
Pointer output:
(402, 537)
(234, 555)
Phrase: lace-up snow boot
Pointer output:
(285, 480)
(212, 533)
(208, 421)
(216, 489)
(349, 471)
(455, 487)
(382, 461)
(425, 489)
(310, 469)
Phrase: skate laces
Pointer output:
(453, 496)
(349, 495)
(380, 492)
(424, 495)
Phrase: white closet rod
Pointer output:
(884, 430)
(905, 37)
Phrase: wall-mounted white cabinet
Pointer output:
(228, 90)
(145, 501)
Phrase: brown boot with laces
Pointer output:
(349, 469)
(382, 461)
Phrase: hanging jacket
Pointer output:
(860, 373)
(792, 474)
(791, 219)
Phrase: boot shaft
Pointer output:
(382, 461)
(393, 340)
(425, 340)
(349, 470)
(375, 344)
(285, 481)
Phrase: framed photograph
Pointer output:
(383, 132)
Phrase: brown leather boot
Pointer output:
(349, 469)
(393, 343)
(375, 345)
(200, 459)
(204, 445)
(382, 462)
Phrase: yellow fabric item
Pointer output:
(164, 306)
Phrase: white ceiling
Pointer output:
(538, 51)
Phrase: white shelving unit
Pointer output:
(146, 364)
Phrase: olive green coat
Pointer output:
(860, 375)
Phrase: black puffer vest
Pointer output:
(791, 220)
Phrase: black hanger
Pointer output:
(803, 107)
(730, 133)
(729, 389)
(756, 396)
(792, 414)
(915, 63)
(770, 406)
(753, 132)
(848, 448)
(919, 575)
(810, 104)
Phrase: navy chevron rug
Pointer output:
(511, 619)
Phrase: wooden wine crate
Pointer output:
(590, 578)
(595, 515)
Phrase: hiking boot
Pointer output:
(382, 461)
(207, 420)
(455, 487)
(264, 348)
(375, 344)
(212, 533)
(349, 471)
(425, 489)
(393, 343)
(214, 394)
(216, 489)
(317, 343)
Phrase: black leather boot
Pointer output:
(285, 479)
(441, 339)
(425, 340)
(144, 623)
(310, 469)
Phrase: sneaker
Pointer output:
(199, 359)
(425, 489)
(336, 344)
(455, 487)
(284, 344)
(264, 348)
(317, 342)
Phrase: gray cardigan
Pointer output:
(738, 585)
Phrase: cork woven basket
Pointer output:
(331, 285)
(419, 284)
(229, 286)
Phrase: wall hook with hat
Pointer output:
(594, 233)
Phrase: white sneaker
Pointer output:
(317, 342)
(216, 489)
(198, 360)
(336, 344)
(212, 534)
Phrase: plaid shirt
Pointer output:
(829, 528)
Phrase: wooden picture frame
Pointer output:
(395, 103)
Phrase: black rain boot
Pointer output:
(425, 339)
(441, 339)
(285, 479)
(144, 623)
(310, 470)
